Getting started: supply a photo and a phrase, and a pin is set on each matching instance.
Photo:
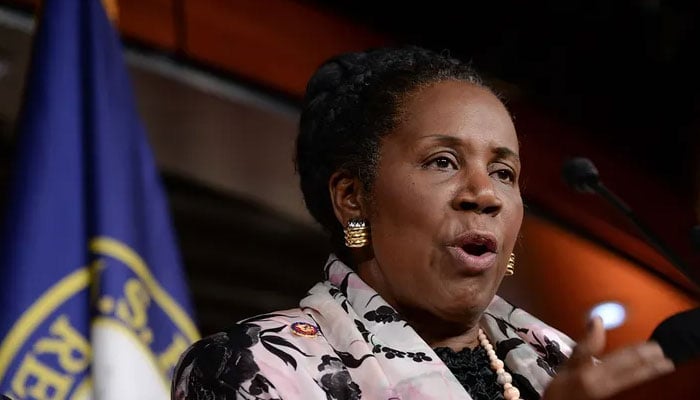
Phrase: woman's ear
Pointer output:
(346, 196)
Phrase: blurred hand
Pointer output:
(583, 378)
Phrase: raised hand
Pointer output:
(584, 377)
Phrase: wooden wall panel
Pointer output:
(152, 22)
(278, 43)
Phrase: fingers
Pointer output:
(625, 368)
(581, 378)
(636, 364)
(591, 345)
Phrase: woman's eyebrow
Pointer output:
(446, 140)
(505, 152)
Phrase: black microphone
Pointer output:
(582, 175)
(679, 336)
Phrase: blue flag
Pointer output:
(93, 298)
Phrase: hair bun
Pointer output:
(339, 74)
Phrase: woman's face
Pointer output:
(445, 207)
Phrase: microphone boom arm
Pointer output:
(599, 188)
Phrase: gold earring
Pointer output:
(356, 233)
(510, 268)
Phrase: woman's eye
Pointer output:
(442, 163)
(505, 175)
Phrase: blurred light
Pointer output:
(612, 313)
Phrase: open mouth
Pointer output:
(476, 249)
(477, 244)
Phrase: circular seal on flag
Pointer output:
(304, 329)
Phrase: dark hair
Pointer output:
(351, 102)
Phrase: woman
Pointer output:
(411, 163)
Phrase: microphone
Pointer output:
(679, 336)
(582, 176)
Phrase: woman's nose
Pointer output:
(478, 195)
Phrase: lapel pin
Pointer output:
(304, 329)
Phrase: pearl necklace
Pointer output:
(510, 392)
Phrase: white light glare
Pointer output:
(612, 313)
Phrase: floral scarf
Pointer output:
(346, 342)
